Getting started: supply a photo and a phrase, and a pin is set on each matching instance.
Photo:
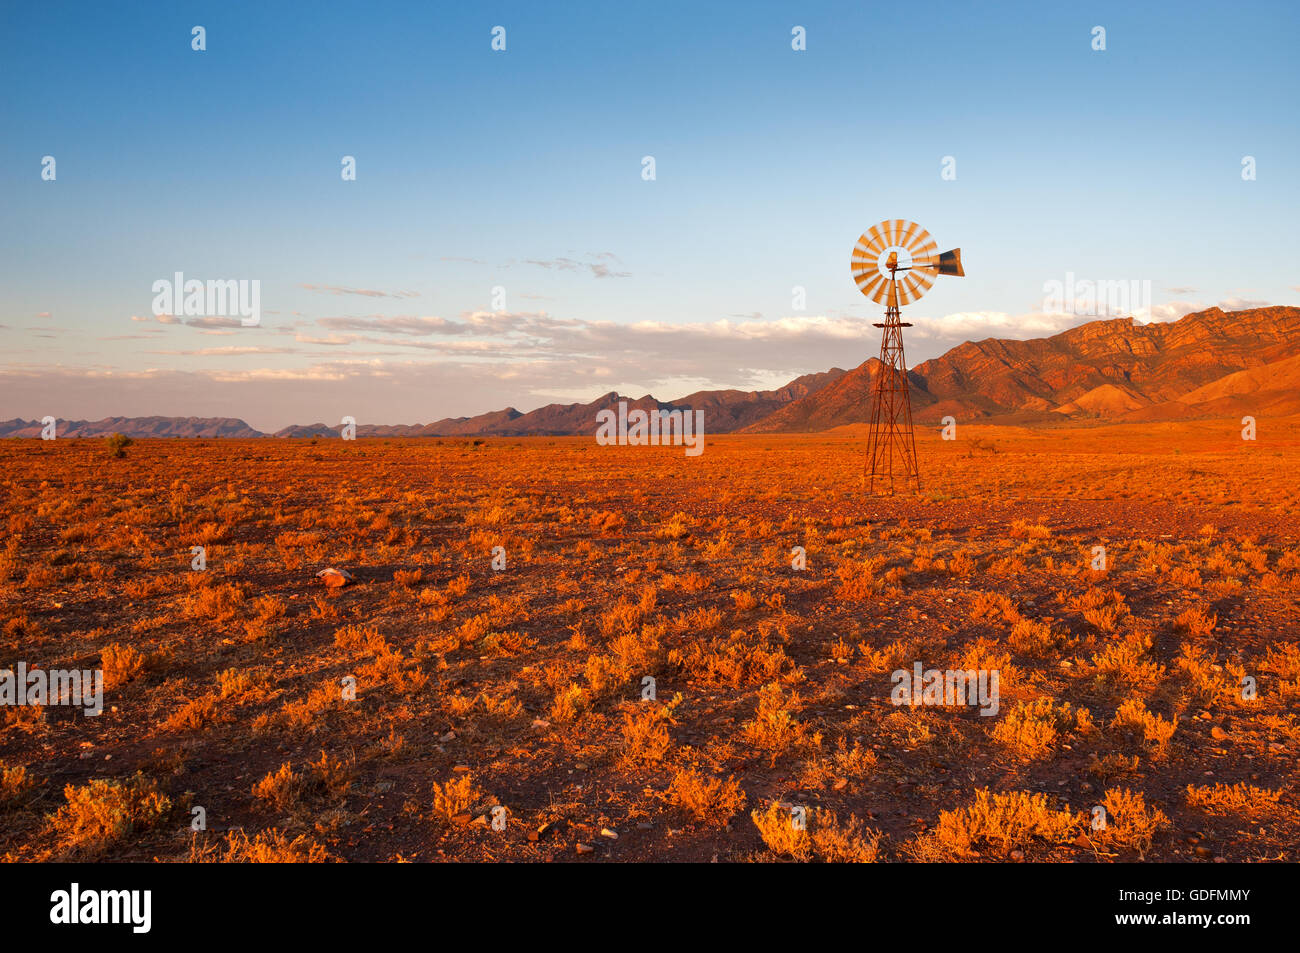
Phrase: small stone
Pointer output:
(541, 723)
(449, 736)
(1203, 851)
(841, 784)
(1218, 734)
(334, 578)
(460, 769)
(585, 848)
(1017, 855)
(606, 832)
(462, 820)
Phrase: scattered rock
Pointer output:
(541, 832)
(1218, 734)
(606, 832)
(1017, 855)
(1203, 851)
(585, 848)
(334, 578)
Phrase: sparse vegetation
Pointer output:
(330, 724)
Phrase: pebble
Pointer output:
(606, 832)
(585, 848)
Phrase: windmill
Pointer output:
(877, 265)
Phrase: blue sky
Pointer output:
(522, 170)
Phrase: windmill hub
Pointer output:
(893, 264)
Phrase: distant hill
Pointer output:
(135, 427)
(1112, 369)
(1209, 363)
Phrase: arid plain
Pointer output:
(499, 712)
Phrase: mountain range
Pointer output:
(1210, 363)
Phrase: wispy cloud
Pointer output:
(598, 269)
(364, 292)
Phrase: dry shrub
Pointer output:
(676, 527)
(360, 638)
(1030, 730)
(735, 660)
(607, 521)
(1031, 637)
(1113, 765)
(268, 611)
(707, 799)
(858, 581)
(988, 606)
(332, 775)
(280, 789)
(1143, 727)
(1196, 622)
(194, 715)
(120, 663)
(14, 785)
(645, 733)
(1125, 663)
(781, 831)
(1006, 821)
(455, 797)
(1129, 822)
(268, 847)
(214, 603)
(102, 813)
(774, 727)
(1240, 798)
(850, 843)
(569, 703)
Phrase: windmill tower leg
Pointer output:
(891, 444)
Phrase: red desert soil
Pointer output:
(515, 695)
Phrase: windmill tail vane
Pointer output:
(893, 264)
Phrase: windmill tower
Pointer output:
(876, 266)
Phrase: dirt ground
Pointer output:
(503, 712)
